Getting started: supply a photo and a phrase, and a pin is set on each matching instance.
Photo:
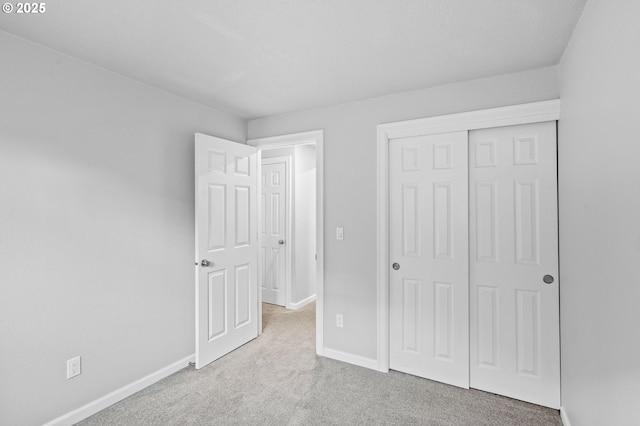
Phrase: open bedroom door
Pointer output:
(226, 247)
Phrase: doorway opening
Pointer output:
(286, 260)
(290, 224)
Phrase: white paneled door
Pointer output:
(226, 247)
(515, 343)
(272, 256)
(428, 194)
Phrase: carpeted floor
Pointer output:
(278, 380)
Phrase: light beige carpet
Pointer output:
(278, 380)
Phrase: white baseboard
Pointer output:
(100, 404)
(303, 302)
(564, 417)
(351, 359)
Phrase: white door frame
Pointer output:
(289, 221)
(313, 137)
(496, 117)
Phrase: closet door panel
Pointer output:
(514, 307)
(429, 243)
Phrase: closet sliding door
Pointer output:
(429, 279)
(473, 245)
(514, 309)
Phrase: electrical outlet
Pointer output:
(339, 321)
(74, 367)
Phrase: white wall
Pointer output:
(305, 223)
(599, 155)
(303, 163)
(350, 184)
(96, 229)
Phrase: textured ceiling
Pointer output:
(257, 58)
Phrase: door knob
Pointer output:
(281, 242)
(548, 279)
(205, 263)
(396, 266)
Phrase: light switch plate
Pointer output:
(339, 233)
